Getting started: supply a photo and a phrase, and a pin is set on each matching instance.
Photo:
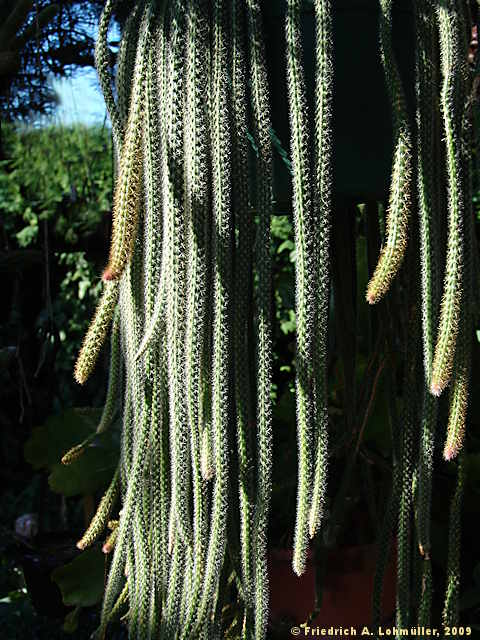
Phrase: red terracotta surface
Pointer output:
(348, 588)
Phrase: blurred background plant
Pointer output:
(55, 190)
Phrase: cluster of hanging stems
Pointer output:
(187, 299)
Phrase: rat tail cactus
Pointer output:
(187, 296)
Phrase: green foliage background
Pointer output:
(55, 194)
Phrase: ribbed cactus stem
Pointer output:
(429, 199)
(458, 404)
(322, 214)
(392, 253)
(153, 185)
(102, 515)
(451, 65)
(160, 118)
(96, 333)
(114, 379)
(451, 612)
(122, 550)
(171, 612)
(262, 128)
(462, 369)
(304, 275)
(109, 543)
(103, 66)
(119, 605)
(426, 594)
(429, 418)
(176, 265)
(197, 201)
(160, 481)
(126, 62)
(128, 189)
(77, 451)
(243, 282)
(407, 471)
(222, 232)
(463, 356)
(206, 454)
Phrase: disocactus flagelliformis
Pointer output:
(188, 289)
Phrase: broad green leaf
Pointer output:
(89, 473)
(81, 581)
(70, 624)
(61, 432)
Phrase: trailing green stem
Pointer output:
(96, 333)
(322, 215)
(304, 278)
(451, 606)
(391, 256)
(262, 128)
(222, 248)
(451, 64)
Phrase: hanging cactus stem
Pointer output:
(188, 296)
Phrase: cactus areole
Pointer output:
(211, 101)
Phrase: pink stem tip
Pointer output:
(450, 452)
(108, 275)
(436, 389)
